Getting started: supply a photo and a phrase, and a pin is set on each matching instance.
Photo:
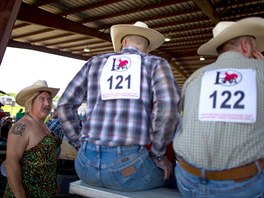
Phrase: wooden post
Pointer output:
(8, 14)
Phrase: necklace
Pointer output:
(43, 126)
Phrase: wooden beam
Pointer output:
(46, 50)
(43, 2)
(173, 64)
(33, 33)
(8, 14)
(38, 16)
(207, 9)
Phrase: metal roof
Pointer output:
(67, 27)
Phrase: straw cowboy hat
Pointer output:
(41, 85)
(118, 32)
(227, 30)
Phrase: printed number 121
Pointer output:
(119, 82)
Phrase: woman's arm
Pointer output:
(16, 143)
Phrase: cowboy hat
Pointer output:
(227, 30)
(26, 93)
(118, 32)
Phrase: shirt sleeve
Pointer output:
(55, 126)
(165, 116)
(73, 96)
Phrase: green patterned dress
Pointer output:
(39, 166)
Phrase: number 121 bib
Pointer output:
(120, 78)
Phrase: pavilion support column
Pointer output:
(8, 14)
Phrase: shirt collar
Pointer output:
(131, 49)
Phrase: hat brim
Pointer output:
(253, 26)
(117, 32)
(24, 95)
(2, 92)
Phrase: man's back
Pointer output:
(131, 102)
(219, 145)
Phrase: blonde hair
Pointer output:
(28, 104)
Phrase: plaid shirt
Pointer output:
(220, 145)
(150, 119)
(55, 126)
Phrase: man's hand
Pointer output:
(258, 55)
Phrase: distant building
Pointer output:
(7, 100)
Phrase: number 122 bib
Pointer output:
(228, 95)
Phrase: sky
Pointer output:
(21, 68)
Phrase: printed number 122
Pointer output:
(225, 104)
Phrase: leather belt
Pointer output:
(240, 173)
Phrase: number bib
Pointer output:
(120, 78)
(228, 95)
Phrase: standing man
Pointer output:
(55, 126)
(131, 101)
(31, 148)
(19, 114)
(221, 145)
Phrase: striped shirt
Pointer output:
(151, 118)
(221, 145)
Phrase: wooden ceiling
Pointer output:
(67, 27)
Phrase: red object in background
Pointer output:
(169, 152)
(2, 114)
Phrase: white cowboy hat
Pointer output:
(26, 93)
(118, 32)
(227, 30)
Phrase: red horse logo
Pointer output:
(122, 64)
(230, 77)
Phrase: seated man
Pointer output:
(221, 144)
(132, 100)
(55, 126)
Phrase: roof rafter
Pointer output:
(207, 9)
(35, 15)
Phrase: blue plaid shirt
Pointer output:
(152, 118)
(55, 126)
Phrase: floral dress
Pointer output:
(38, 166)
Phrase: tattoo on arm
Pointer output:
(19, 128)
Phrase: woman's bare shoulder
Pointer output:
(21, 127)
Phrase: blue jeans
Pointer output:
(126, 168)
(192, 186)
